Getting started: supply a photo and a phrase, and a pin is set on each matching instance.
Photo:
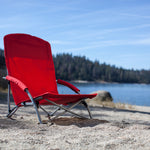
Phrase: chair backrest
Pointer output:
(29, 59)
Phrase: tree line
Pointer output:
(69, 67)
(3, 83)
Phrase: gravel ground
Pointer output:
(110, 129)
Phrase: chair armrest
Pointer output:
(16, 81)
(59, 81)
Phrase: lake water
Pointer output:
(135, 94)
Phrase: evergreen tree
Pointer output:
(69, 67)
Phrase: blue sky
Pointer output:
(113, 31)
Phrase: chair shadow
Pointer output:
(7, 123)
(80, 122)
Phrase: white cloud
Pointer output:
(59, 42)
(136, 15)
(142, 42)
(110, 43)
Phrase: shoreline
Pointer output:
(3, 99)
(103, 82)
(86, 81)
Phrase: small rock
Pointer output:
(102, 96)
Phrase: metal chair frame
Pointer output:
(34, 103)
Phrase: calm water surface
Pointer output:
(135, 94)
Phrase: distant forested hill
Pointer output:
(3, 83)
(70, 67)
(2, 59)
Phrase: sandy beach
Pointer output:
(110, 129)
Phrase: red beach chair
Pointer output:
(31, 77)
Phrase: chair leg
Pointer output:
(87, 107)
(65, 109)
(52, 114)
(48, 114)
(11, 112)
(8, 98)
(35, 106)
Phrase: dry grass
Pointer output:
(111, 104)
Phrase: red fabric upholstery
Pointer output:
(59, 81)
(29, 59)
(67, 98)
(17, 82)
